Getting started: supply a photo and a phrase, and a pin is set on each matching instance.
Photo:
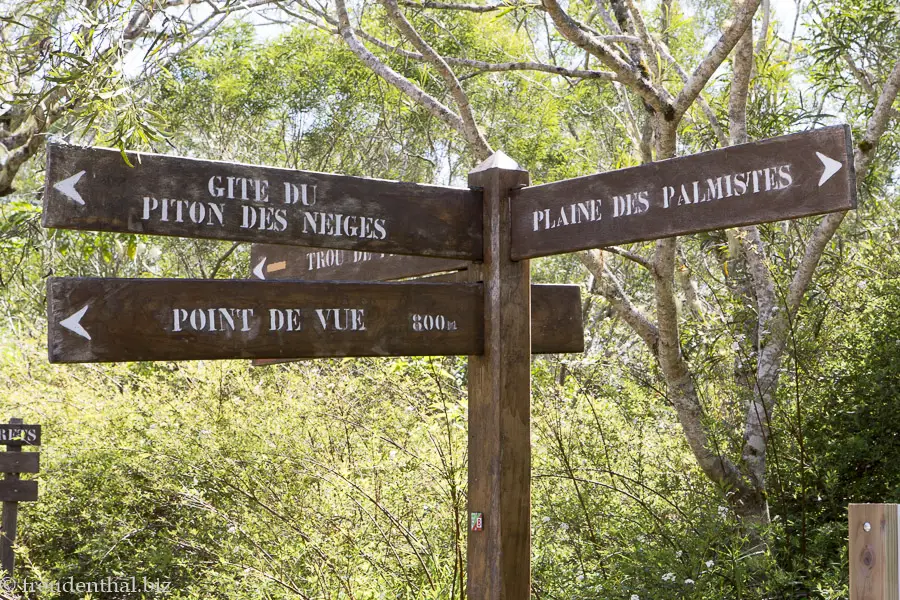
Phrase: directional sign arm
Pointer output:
(105, 320)
(770, 180)
(93, 189)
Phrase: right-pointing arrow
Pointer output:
(67, 187)
(258, 270)
(831, 167)
(73, 323)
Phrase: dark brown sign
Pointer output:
(18, 491)
(780, 178)
(556, 326)
(269, 261)
(20, 435)
(103, 320)
(20, 462)
(94, 189)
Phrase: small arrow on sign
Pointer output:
(831, 167)
(258, 270)
(73, 323)
(67, 187)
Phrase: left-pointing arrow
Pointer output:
(73, 323)
(258, 270)
(67, 187)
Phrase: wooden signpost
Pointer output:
(177, 319)
(94, 189)
(556, 323)
(772, 180)
(499, 222)
(13, 489)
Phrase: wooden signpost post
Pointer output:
(13, 489)
(499, 223)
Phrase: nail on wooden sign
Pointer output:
(771, 180)
(269, 261)
(104, 320)
(94, 189)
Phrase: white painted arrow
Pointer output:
(73, 323)
(258, 270)
(67, 187)
(831, 167)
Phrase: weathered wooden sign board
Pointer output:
(771, 180)
(556, 324)
(556, 320)
(23, 435)
(270, 261)
(102, 320)
(13, 490)
(93, 189)
(18, 491)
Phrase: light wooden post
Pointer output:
(874, 556)
(499, 555)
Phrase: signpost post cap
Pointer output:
(499, 160)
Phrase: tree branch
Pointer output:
(609, 287)
(627, 73)
(432, 105)
(475, 8)
(714, 58)
(682, 391)
(740, 88)
(632, 256)
(470, 129)
(865, 150)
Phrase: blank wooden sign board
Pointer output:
(499, 222)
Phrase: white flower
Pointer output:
(579, 578)
(635, 597)
(668, 577)
(709, 564)
(392, 454)
(546, 519)
(564, 526)
(688, 582)
(723, 511)
(678, 554)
